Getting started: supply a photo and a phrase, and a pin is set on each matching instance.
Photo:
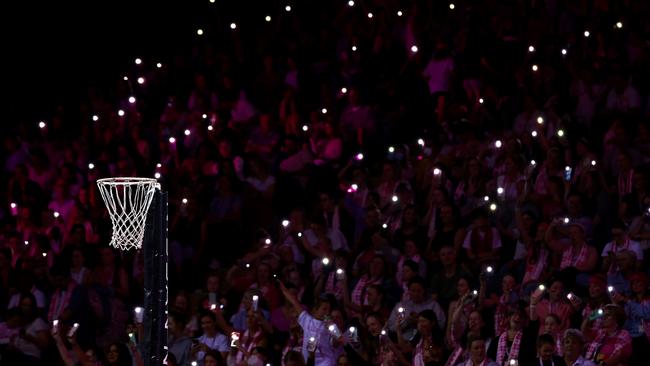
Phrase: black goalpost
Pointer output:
(154, 246)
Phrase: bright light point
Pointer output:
(331, 327)
(159, 165)
(531, 48)
(126, 78)
(26, 242)
(172, 140)
(131, 99)
(359, 156)
(500, 190)
(354, 186)
(534, 68)
(326, 261)
(305, 128)
(414, 49)
(400, 309)
(212, 1)
(354, 48)
(56, 214)
(91, 166)
(95, 118)
(542, 287)
(480, 100)
(287, 8)
(586, 33)
(285, 223)
(513, 362)
(534, 133)
(452, 6)
(619, 25)
(560, 133)
(421, 142)
(569, 296)
(564, 51)
(267, 241)
(138, 61)
(489, 269)
(383, 332)
(204, 116)
(344, 90)
(384, 226)
(41, 124)
(300, 235)
(323, 111)
(533, 162)
(498, 144)
(184, 200)
(210, 128)
(353, 329)
(540, 120)
(566, 220)
(199, 32)
(395, 198)
(493, 207)
(567, 168)
(159, 65)
(44, 254)
(233, 26)
(593, 163)
(486, 198)
(248, 265)
(339, 271)
(370, 15)
(120, 113)
(13, 205)
(436, 171)
(187, 132)
(600, 311)
(267, 18)
(351, 3)
(399, 13)
(156, 175)
(610, 288)
(140, 80)
(391, 149)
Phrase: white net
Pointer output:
(127, 201)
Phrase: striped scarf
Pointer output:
(599, 341)
(534, 268)
(502, 351)
(455, 356)
(359, 295)
(500, 319)
(570, 260)
(248, 343)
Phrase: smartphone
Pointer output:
(73, 330)
(55, 326)
(311, 344)
(598, 313)
(234, 338)
(567, 173)
(132, 338)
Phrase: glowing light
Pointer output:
(587, 34)
(500, 190)
(305, 128)
(248, 265)
(480, 100)
(354, 187)
(267, 18)
(569, 296)
(187, 132)
(531, 48)
(42, 124)
(300, 235)
(400, 309)
(140, 80)
(359, 156)
(414, 49)
(353, 329)
(394, 198)
(267, 241)
(619, 25)
(131, 99)
(159, 65)
(486, 198)
(475, 292)
(535, 68)
(323, 111)
(91, 166)
(344, 90)
(399, 13)
(498, 144)
(339, 271)
(452, 6)
(159, 165)
(370, 15)
(44, 254)
(287, 8)
(156, 175)
(13, 205)
(233, 25)
(560, 133)
(95, 117)
(354, 48)
(533, 162)
(541, 287)
(138, 61)
(421, 142)
(204, 116)
(184, 200)
(126, 78)
(564, 51)
(493, 207)
(391, 149)
(566, 220)
(199, 32)
(351, 3)
(540, 120)
(489, 269)
(56, 214)
(593, 163)
(384, 226)
(437, 171)
(120, 113)
(610, 288)
(285, 223)
(534, 133)
(26, 242)
(325, 261)
(172, 140)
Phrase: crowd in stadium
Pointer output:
(383, 183)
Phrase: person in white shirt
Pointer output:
(620, 242)
(573, 343)
(418, 301)
(325, 344)
(211, 339)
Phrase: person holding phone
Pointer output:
(611, 345)
(211, 339)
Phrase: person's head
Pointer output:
(545, 346)
(208, 323)
(475, 321)
(322, 308)
(181, 302)
(508, 283)
(410, 248)
(447, 255)
(27, 306)
(574, 204)
(176, 322)
(77, 258)
(5, 258)
(462, 286)
(212, 358)
(343, 360)
(374, 323)
(597, 286)
(516, 318)
(552, 324)
(263, 272)
(556, 290)
(375, 295)
(410, 270)
(410, 216)
(639, 283)
(212, 282)
(417, 290)
(476, 346)
(577, 232)
(614, 317)
(377, 267)
(573, 343)
(60, 276)
(293, 358)
(117, 354)
(427, 321)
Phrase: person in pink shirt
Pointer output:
(554, 304)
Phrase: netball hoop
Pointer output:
(138, 211)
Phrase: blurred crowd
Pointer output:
(351, 183)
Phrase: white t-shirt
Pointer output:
(217, 343)
(38, 294)
(630, 245)
(29, 348)
(325, 354)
